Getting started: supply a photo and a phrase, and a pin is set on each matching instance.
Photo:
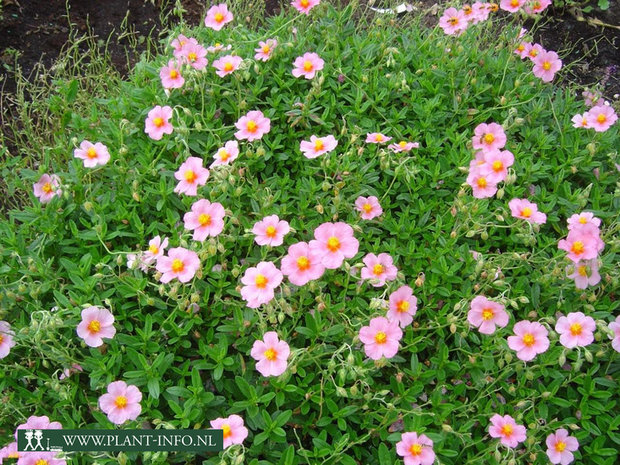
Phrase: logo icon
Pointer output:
(37, 435)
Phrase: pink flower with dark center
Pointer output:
(157, 245)
(190, 175)
(225, 155)
(526, 210)
(533, 50)
(560, 447)
(496, 164)
(381, 338)
(195, 55)
(307, 65)
(403, 146)
(271, 354)
(530, 339)
(206, 219)
(580, 245)
(415, 450)
(368, 207)
(6, 339)
(92, 154)
(227, 64)
(170, 76)
(334, 242)
(546, 64)
(96, 324)
(403, 306)
(585, 273)
(511, 5)
(575, 330)
(271, 231)
(302, 264)
(157, 122)
(583, 220)
(614, 326)
(487, 315)
(259, 284)
(317, 146)
(506, 429)
(580, 121)
(234, 431)
(453, 21)
(601, 117)
(304, 6)
(47, 187)
(265, 49)
(377, 138)
(252, 126)
(121, 403)
(481, 186)
(218, 16)
(489, 137)
(379, 269)
(180, 263)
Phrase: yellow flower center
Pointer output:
(304, 3)
(489, 138)
(218, 45)
(493, 7)
(467, 10)
(583, 220)
(251, 126)
(318, 145)
(271, 231)
(482, 182)
(415, 449)
(154, 249)
(380, 337)
(1, 338)
(526, 212)
(261, 281)
(13, 455)
(94, 326)
(228, 66)
(271, 354)
(533, 53)
(158, 122)
(47, 188)
(219, 17)
(537, 5)
(367, 207)
(91, 153)
(528, 340)
(191, 56)
(402, 306)
(224, 155)
(560, 446)
(577, 247)
(226, 430)
(377, 269)
(402, 144)
(601, 118)
(177, 265)
(487, 314)
(379, 138)
(575, 329)
(121, 402)
(303, 263)
(41, 462)
(266, 49)
(546, 65)
(333, 244)
(497, 166)
(190, 176)
(521, 47)
(582, 270)
(514, 3)
(174, 74)
(308, 66)
(453, 20)
(204, 219)
(507, 430)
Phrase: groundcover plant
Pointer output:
(339, 238)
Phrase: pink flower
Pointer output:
(601, 117)
(195, 55)
(481, 186)
(381, 338)
(227, 64)
(121, 403)
(302, 264)
(92, 154)
(206, 219)
(171, 76)
(218, 16)
(252, 126)
(591, 98)
(6, 339)
(496, 164)
(489, 137)
(265, 49)
(585, 273)
(157, 245)
(453, 21)
(96, 324)
(415, 450)
(304, 6)
(34, 422)
(334, 242)
(486, 315)
(270, 231)
(583, 221)
(180, 42)
(39, 458)
(190, 175)
(307, 65)
(546, 64)
(403, 146)
(580, 121)
(560, 447)
(575, 330)
(234, 431)
(615, 339)
(403, 306)
(522, 49)
(9, 452)
(529, 340)
(533, 50)
(47, 187)
(507, 430)
(180, 263)
(376, 138)
(271, 354)
(218, 47)
(580, 245)
(526, 210)
(368, 207)
(536, 6)
(481, 12)
(225, 155)
(511, 5)
(318, 146)
(259, 284)
(379, 269)
(157, 124)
